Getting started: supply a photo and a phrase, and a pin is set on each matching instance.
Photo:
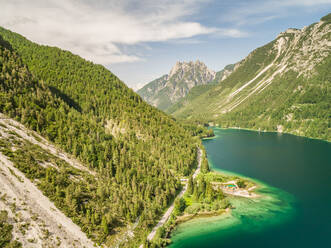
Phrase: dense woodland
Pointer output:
(137, 152)
(138, 158)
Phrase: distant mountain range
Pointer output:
(170, 88)
(86, 161)
(283, 86)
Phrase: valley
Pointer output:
(167, 90)
(113, 178)
(85, 161)
(282, 86)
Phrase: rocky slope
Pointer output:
(224, 73)
(128, 156)
(168, 89)
(284, 86)
(36, 221)
(200, 89)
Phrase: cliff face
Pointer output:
(284, 86)
(168, 89)
(74, 110)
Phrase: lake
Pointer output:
(295, 207)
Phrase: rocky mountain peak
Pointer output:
(182, 77)
(175, 68)
(304, 48)
(197, 66)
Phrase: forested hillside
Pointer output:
(283, 86)
(171, 88)
(136, 152)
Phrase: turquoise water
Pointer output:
(295, 207)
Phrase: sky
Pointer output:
(140, 40)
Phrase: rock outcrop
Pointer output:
(168, 89)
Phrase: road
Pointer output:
(167, 214)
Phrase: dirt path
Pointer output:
(40, 141)
(37, 222)
(127, 235)
(167, 214)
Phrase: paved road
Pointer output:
(167, 214)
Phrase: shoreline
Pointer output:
(208, 138)
(249, 193)
(266, 131)
(169, 212)
(240, 193)
(270, 197)
(246, 193)
(188, 217)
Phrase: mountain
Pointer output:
(283, 86)
(200, 89)
(90, 147)
(224, 73)
(168, 89)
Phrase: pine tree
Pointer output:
(190, 186)
(195, 190)
(104, 225)
(209, 192)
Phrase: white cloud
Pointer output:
(96, 29)
(304, 2)
(254, 12)
(231, 32)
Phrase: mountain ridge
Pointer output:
(273, 87)
(136, 153)
(169, 88)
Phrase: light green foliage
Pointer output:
(198, 90)
(5, 229)
(302, 106)
(190, 186)
(205, 197)
(69, 101)
(105, 225)
(193, 93)
(152, 91)
(180, 206)
(326, 18)
(6, 232)
(241, 183)
(204, 163)
(219, 75)
(295, 102)
(202, 107)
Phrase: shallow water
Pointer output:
(295, 210)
